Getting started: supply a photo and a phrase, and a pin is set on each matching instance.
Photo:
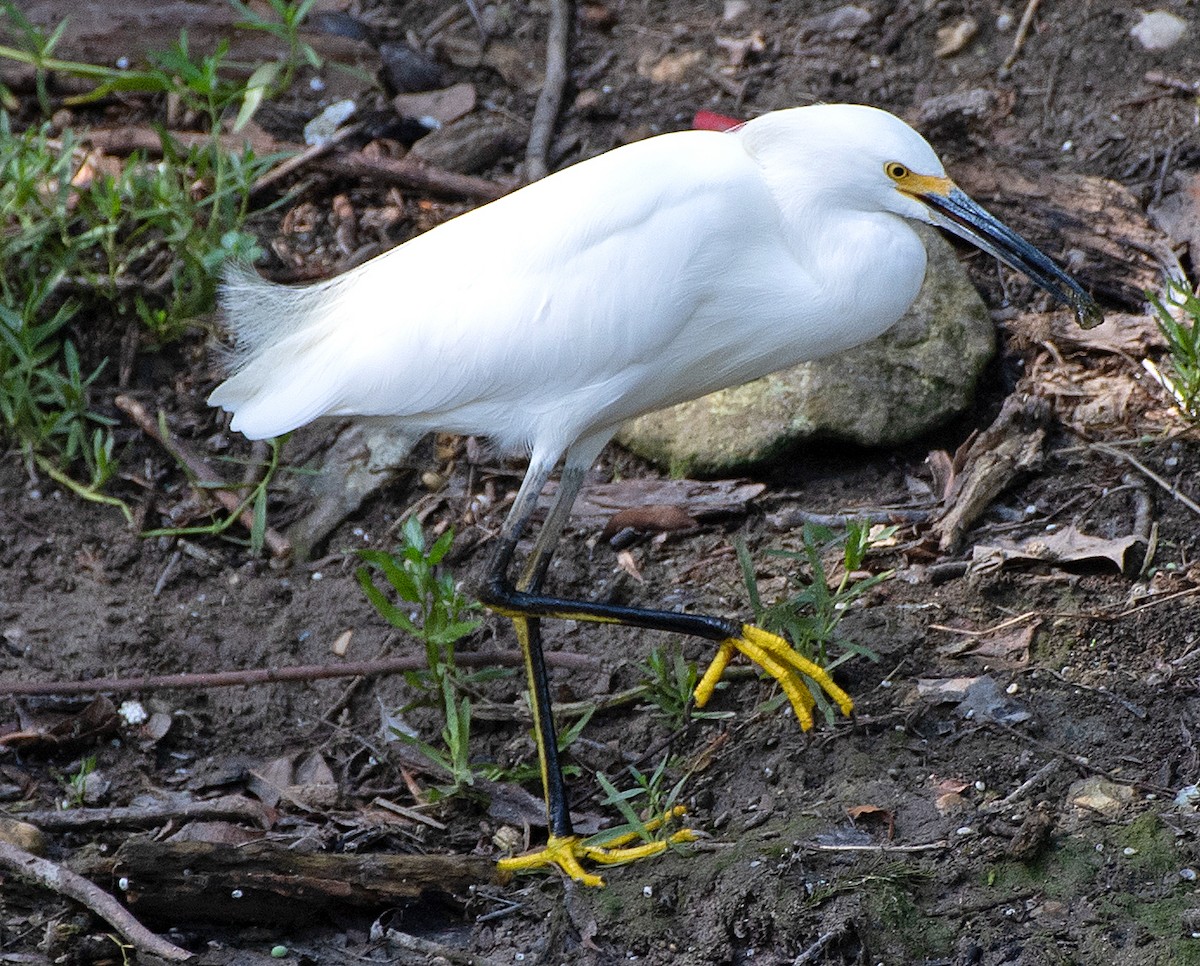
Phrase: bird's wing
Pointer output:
(512, 313)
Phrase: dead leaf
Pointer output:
(47, 732)
(1008, 648)
(873, 815)
(218, 833)
(656, 518)
(948, 795)
(953, 39)
(1066, 546)
(445, 106)
(626, 562)
(269, 781)
(1100, 795)
(671, 69)
(514, 65)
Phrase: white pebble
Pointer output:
(1158, 29)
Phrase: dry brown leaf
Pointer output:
(1066, 546)
(671, 69)
(656, 518)
(873, 815)
(1009, 648)
(445, 106)
(953, 39)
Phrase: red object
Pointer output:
(708, 121)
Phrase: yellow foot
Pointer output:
(566, 851)
(780, 660)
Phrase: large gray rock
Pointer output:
(888, 391)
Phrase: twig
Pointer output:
(1022, 34)
(812, 952)
(1160, 79)
(545, 115)
(64, 882)
(410, 173)
(1079, 761)
(1149, 473)
(277, 543)
(1020, 618)
(307, 156)
(432, 952)
(1048, 769)
(301, 672)
(791, 517)
(883, 848)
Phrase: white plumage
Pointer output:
(652, 274)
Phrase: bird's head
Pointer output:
(873, 161)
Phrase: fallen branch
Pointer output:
(64, 882)
(545, 115)
(301, 672)
(406, 172)
(410, 173)
(225, 807)
(199, 467)
(268, 882)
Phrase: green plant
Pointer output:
(645, 805)
(1183, 343)
(76, 785)
(810, 618)
(670, 681)
(255, 501)
(443, 613)
(146, 241)
(429, 605)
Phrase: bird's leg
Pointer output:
(563, 849)
(770, 651)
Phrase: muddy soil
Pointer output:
(1040, 825)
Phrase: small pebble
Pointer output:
(278, 952)
(1188, 875)
(1158, 30)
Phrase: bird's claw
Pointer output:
(566, 851)
(780, 660)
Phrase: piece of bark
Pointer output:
(1010, 446)
(598, 502)
(268, 883)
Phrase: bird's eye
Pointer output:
(896, 171)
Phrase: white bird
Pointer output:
(655, 273)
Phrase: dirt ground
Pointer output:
(1048, 823)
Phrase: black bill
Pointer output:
(956, 212)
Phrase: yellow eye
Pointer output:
(896, 171)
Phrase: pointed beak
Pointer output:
(951, 208)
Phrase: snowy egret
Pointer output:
(653, 274)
